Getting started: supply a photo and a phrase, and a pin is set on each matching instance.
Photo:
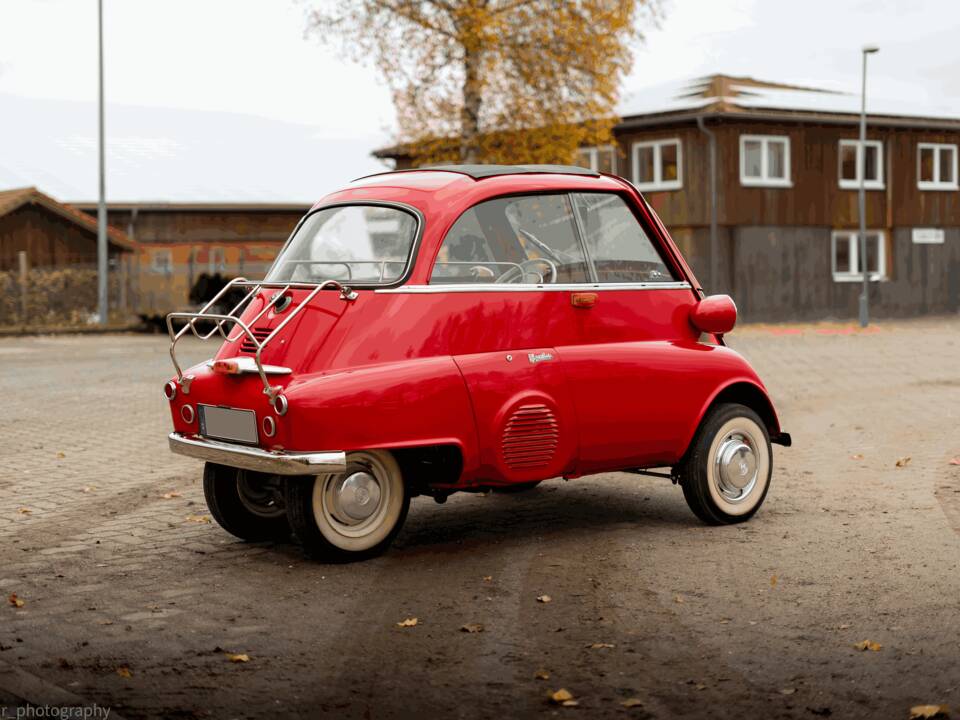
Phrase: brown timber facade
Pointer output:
(787, 202)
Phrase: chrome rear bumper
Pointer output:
(251, 458)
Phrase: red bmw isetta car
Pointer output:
(465, 328)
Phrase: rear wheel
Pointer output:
(245, 503)
(351, 515)
(727, 472)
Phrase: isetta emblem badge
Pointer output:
(535, 358)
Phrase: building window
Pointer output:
(936, 166)
(658, 165)
(765, 160)
(216, 262)
(161, 262)
(850, 165)
(599, 159)
(847, 266)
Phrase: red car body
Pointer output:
(500, 385)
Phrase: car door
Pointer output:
(628, 369)
(502, 263)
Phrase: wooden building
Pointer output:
(785, 202)
(181, 243)
(51, 233)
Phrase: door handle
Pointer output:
(584, 299)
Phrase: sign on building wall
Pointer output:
(928, 236)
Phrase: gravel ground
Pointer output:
(132, 601)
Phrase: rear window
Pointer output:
(366, 244)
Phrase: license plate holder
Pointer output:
(226, 423)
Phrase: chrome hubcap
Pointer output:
(736, 467)
(355, 497)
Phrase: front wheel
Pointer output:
(351, 515)
(245, 503)
(726, 475)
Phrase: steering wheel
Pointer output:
(518, 272)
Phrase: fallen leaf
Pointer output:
(902, 462)
(561, 697)
(541, 675)
(198, 518)
(600, 646)
(843, 626)
(773, 581)
(472, 628)
(60, 456)
(124, 672)
(238, 657)
(678, 599)
(171, 495)
(856, 456)
(868, 645)
(955, 461)
(929, 711)
(88, 488)
(409, 622)
(632, 702)
(24, 511)
(487, 578)
(700, 686)
(787, 691)
(544, 598)
(15, 601)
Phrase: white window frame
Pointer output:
(937, 184)
(216, 260)
(765, 180)
(167, 267)
(658, 183)
(853, 238)
(593, 152)
(847, 184)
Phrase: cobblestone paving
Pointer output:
(99, 536)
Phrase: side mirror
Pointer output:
(716, 315)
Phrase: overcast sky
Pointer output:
(252, 56)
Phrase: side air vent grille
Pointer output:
(261, 334)
(530, 437)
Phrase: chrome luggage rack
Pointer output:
(225, 325)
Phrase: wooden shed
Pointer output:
(52, 233)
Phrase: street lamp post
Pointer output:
(861, 173)
(102, 254)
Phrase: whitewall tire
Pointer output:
(350, 515)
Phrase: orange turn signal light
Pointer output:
(584, 299)
(226, 367)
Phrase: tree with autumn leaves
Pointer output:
(509, 81)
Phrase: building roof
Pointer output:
(746, 96)
(11, 200)
(161, 157)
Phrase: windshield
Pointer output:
(368, 244)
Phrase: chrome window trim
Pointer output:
(505, 287)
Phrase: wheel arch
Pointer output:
(751, 395)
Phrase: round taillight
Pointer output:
(170, 390)
(269, 426)
(186, 412)
(281, 405)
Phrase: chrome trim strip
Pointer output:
(248, 364)
(567, 287)
(251, 458)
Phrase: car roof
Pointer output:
(481, 171)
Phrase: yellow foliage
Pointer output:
(504, 81)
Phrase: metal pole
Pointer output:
(102, 249)
(714, 240)
(861, 171)
(24, 281)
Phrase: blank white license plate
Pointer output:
(228, 424)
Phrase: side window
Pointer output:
(618, 245)
(529, 239)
